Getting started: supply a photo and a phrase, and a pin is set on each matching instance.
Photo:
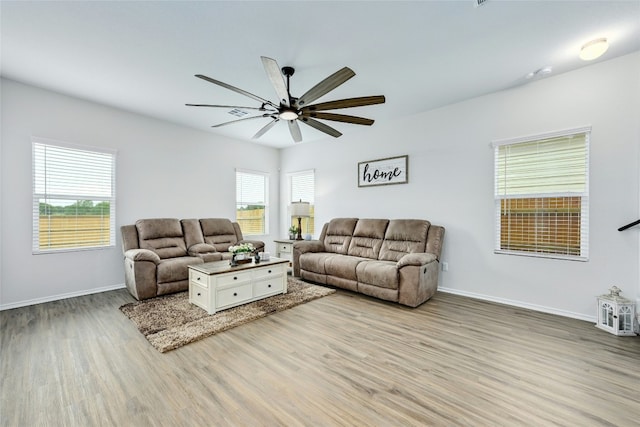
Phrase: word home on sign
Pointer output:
(393, 170)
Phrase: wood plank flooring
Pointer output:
(342, 360)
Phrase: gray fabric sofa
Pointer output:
(395, 260)
(158, 251)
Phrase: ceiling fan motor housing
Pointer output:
(288, 71)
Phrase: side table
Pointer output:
(284, 250)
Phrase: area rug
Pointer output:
(169, 322)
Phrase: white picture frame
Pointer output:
(387, 171)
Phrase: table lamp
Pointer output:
(300, 209)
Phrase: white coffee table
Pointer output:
(216, 285)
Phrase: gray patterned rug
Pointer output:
(170, 321)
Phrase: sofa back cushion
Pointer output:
(219, 232)
(367, 238)
(129, 237)
(163, 236)
(192, 232)
(338, 235)
(404, 236)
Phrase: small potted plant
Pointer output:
(293, 231)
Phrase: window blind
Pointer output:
(542, 195)
(302, 187)
(73, 196)
(251, 202)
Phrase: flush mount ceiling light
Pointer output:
(594, 49)
(540, 72)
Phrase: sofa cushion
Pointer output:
(158, 227)
(162, 236)
(219, 232)
(192, 233)
(379, 273)
(315, 261)
(367, 238)
(404, 236)
(339, 234)
(175, 269)
(343, 266)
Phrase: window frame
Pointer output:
(47, 195)
(310, 221)
(584, 195)
(265, 176)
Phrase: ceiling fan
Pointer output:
(292, 109)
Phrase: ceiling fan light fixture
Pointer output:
(288, 115)
(594, 49)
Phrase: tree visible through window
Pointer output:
(251, 202)
(542, 195)
(73, 197)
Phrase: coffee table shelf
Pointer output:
(216, 286)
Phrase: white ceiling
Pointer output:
(141, 56)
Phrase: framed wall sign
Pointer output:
(392, 170)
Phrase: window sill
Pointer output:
(540, 255)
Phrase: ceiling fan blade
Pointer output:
(320, 126)
(339, 118)
(346, 103)
(275, 75)
(325, 86)
(265, 128)
(241, 120)
(235, 89)
(295, 130)
(226, 106)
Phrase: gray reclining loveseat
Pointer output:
(158, 251)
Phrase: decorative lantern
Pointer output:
(616, 313)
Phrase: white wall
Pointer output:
(163, 170)
(451, 184)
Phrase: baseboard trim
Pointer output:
(483, 297)
(520, 304)
(60, 296)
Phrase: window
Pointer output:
(301, 187)
(251, 202)
(542, 195)
(73, 197)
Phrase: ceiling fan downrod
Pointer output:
(288, 113)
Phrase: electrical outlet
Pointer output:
(445, 266)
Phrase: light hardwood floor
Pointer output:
(342, 360)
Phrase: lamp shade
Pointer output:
(300, 209)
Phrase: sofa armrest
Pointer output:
(258, 245)
(201, 248)
(142, 255)
(140, 267)
(418, 259)
(205, 252)
(418, 274)
(303, 246)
